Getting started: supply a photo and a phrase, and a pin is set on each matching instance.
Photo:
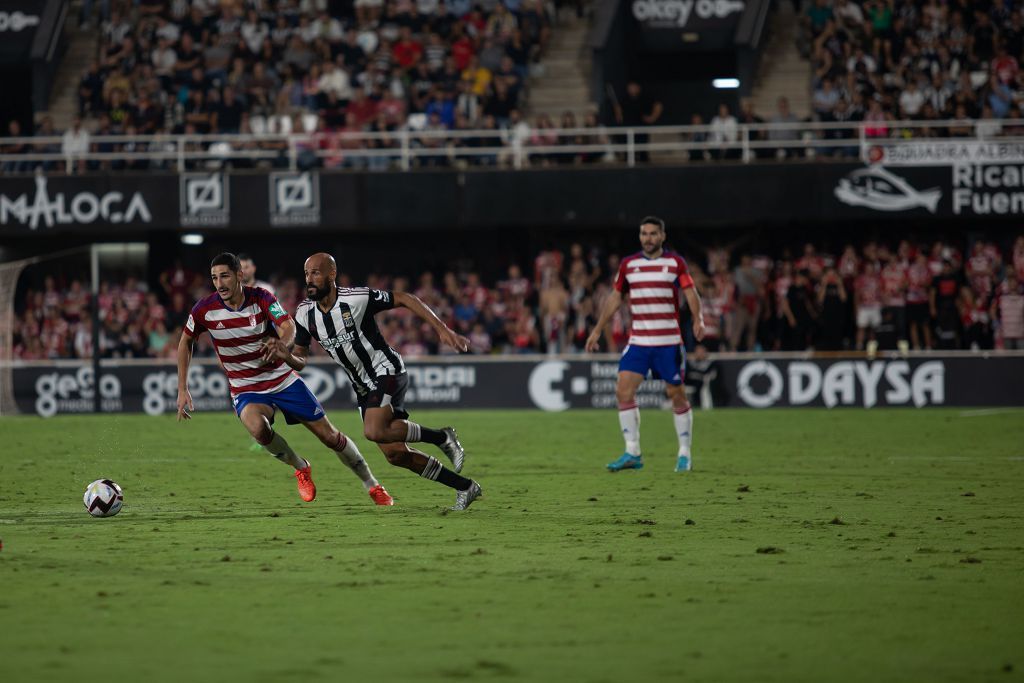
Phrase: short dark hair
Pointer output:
(226, 259)
(243, 256)
(653, 220)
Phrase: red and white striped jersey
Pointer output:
(236, 338)
(653, 286)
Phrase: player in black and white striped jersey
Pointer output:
(341, 320)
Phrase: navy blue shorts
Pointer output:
(296, 401)
(663, 362)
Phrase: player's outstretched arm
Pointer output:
(446, 334)
(696, 311)
(184, 359)
(611, 304)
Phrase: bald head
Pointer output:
(322, 261)
(320, 270)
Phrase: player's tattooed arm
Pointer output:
(446, 334)
(611, 304)
(696, 311)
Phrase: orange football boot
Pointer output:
(381, 496)
(307, 489)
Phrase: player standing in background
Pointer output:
(249, 274)
(341, 319)
(652, 279)
(244, 323)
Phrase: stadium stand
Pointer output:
(313, 67)
(752, 302)
(880, 60)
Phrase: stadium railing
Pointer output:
(406, 148)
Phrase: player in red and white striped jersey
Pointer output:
(652, 279)
(243, 321)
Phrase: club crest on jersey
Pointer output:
(252, 321)
(347, 320)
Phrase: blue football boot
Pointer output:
(626, 462)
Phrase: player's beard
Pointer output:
(318, 293)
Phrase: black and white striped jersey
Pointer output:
(349, 333)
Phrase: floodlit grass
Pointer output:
(882, 545)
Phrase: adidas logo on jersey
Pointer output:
(220, 326)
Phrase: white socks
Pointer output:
(684, 429)
(349, 454)
(629, 420)
(280, 449)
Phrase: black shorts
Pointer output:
(390, 391)
(918, 313)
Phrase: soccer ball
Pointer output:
(103, 498)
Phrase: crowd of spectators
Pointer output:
(875, 62)
(941, 295)
(323, 68)
(922, 60)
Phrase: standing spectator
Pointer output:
(75, 144)
(749, 283)
(980, 270)
(824, 99)
(798, 313)
(713, 317)
(698, 137)
(868, 303)
(919, 278)
(974, 318)
(725, 132)
(747, 117)
(831, 300)
(14, 131)
(894, 309)
(783, 116)
(942, 297)
(554, 313)
(911, 100)
(1008, 311)
(638, 109)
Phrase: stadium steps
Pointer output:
(783, 73)
(562, 79)
(82, 47)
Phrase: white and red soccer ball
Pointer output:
(103, 498)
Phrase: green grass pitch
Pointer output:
(808, 545)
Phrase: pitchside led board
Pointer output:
(552, 384)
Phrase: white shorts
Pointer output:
(869, 317)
